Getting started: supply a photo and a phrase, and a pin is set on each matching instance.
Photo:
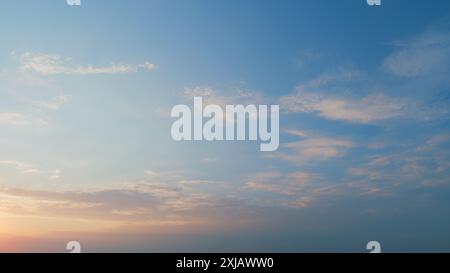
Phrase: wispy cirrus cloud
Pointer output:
(369, 109)
(420, 55)
(20, 166)
(12, 118)
(27, 168)
(434, 142)
(416, 166)
(52, 104)
(48, 64)
(133, 203)
(318, 97)
(296, 189)
(292, 189)
(276, 182)
(214, 96)
(16, 119)
(312, 148)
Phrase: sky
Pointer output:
(86, 152)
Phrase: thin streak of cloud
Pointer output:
(46, 64)
(53, 104)
(420, 55)
(312, 149)
(29, 169)
(370, 109)
(12, 118)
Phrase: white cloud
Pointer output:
(314, 97)
(42, 63)
(53, 104)
(20, 166)
(222, 98)
(289, 184)
(370, 109)
(341, 75)
(29, 169)
(313, 149)
(419, 56)
(425, 165)
(433, 142)
(19, 119)
(368, 173)
(137, 202)
(212, 96)
(47, 64)
(147, 65)
(307, 57)
(316, 149)
(55, 175)
(11, 118)
(293, 190)
(298, 133)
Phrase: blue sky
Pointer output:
(85, 146)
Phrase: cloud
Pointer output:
(369, 174)
(274, 182)
(319, 96)
(19, 119)
(156, 199)
(222, 98)
(55, 175)
(79, 204)
(27, 168)
(46, 64)
(313, 149)
(308, 57)
(20, 166)
(317, 149)
(421, 55)
(412, 167)
(434, 142)
(301, 202)
(292, 190)
(369, 109)
(341, 75)
(147, 65)
(53, 104)
(213, 96)
(11, 118)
